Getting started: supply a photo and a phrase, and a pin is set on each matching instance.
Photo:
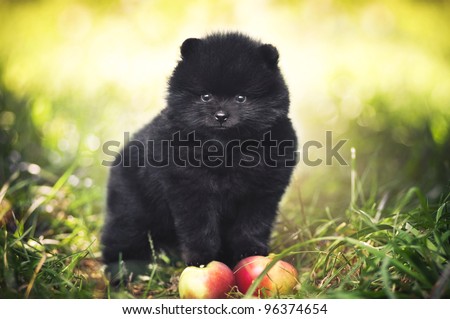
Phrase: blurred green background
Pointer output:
(75, 74)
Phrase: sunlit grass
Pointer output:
(395, 247)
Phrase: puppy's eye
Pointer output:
(206, 97)
(240, 98)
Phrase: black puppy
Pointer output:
(204, 178)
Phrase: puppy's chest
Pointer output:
(225, 182)
(224, 155)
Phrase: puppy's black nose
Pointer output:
(221, 116)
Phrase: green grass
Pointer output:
(384, 247)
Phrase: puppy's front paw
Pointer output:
(195, 259)
(253, 251)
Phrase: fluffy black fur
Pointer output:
(209, 211)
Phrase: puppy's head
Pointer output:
(227, 81)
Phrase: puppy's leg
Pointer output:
(250, 233)
(196, 226)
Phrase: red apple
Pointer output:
(280, 279)
(212, 282)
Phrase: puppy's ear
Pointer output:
(269, 54)
(189, 46)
